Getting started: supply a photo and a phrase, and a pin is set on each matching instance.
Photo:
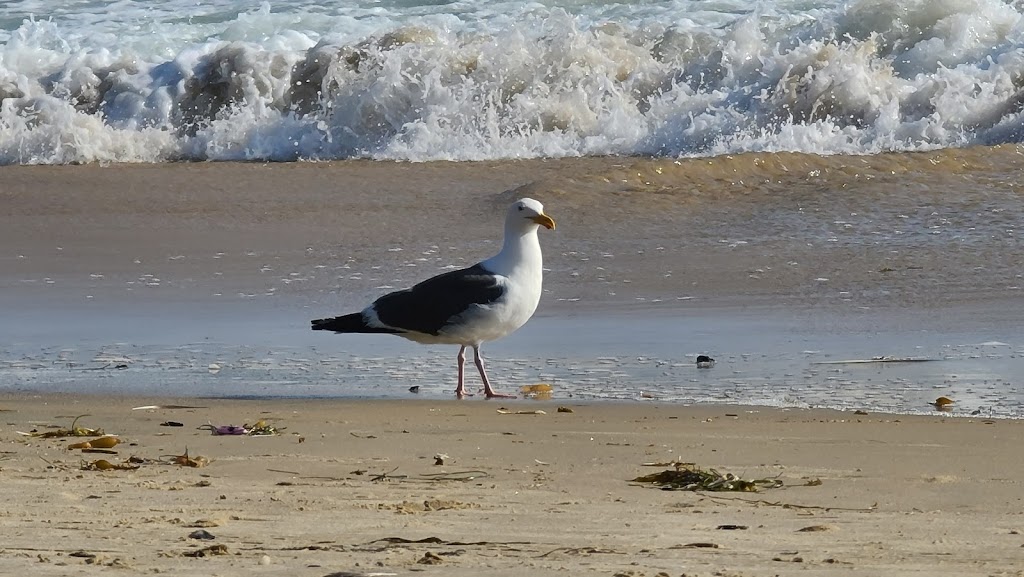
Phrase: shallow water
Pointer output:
(763, 357)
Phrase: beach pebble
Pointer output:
(265, 560)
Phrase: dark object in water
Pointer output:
(705, 362)
(414, 389)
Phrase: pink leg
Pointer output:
(460, 389)
(488, 391)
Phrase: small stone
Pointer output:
(265, 560)
(429, 559)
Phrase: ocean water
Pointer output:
(762, 359)
(131, 81)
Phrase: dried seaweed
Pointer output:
(688, 477)
(581, 551)
(207, 551)
(184, 460)
(762, 502)
(74, 431)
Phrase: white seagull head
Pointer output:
(528, 214)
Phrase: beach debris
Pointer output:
(860, 412)
(104, 442)
(814, 529)
(646, 395)
(74, 431)
(943, 404)
(581, 551)
(540, 391)
(388, 541)
(260, 429)
(406, 507)
(172, 424)
(184, 460)
(700, 545)
(565, 410)
(224, 429)
(688, 477)
(429, 558)
(504, 411)
(705, 362)
(763, 502)
(205, 523)
(439, 458)
(207, 551)
(151, 407)
(881, 359)
(118, 366)
(386, 476)
(732, 527)
(414, 389)
(201, 534)
(471, 475)
(797, 559)
(105, 465)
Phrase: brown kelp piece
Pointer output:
(105, 465)
(104, 442)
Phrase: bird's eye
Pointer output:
(521, 207)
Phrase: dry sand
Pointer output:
(351, 487)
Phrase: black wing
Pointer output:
(433, 303)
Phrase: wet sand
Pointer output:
(352, 488)
(842, 233)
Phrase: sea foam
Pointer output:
(480, 80)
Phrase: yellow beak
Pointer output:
(545, 221)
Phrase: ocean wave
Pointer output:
(669, 79)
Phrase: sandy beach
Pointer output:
(354, 488)
(123, 286)
(788, 257)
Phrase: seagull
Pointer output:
(465, 307)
